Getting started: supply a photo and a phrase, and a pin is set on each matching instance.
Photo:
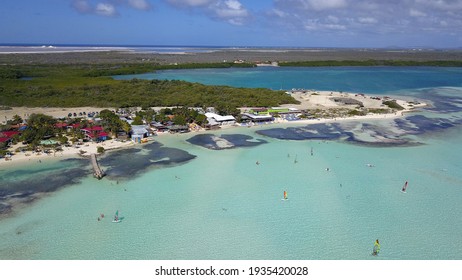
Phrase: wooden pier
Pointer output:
(97, 171)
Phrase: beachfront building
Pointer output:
(267, 64)
(252, 118)
(126, 119)
(6, 137)
(178, 129)
(73, 127)
(268, 114)
(138, 133)
(95, 133)
(273, 111)
(158, 127)
(61, 125)
(218, 120)
(288, 114)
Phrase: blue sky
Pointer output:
(294, 23)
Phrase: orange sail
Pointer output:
(285, 195)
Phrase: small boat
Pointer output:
(116, 217)
(404, 188)
(285, 196)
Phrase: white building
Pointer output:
(215, 119)
(139, 132)
(247, 117)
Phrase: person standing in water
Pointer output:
(376, 249)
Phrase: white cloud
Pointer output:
(326, 4)
(333, 19)
(311, 5)
(363, 16)
(416, 13)
(233, 4)
(367, 20)
(278, 13)
(445, 5)
(231, 11)
(139, 4)
(317, 25)
(105, 9)
(189, 3)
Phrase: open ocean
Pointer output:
(183, 197)
(47, 48)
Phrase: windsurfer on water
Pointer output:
(404, 187)
(376, 249)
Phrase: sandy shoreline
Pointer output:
(22, 158)
(308, 100)
(88, 148)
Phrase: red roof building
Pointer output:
(9, 133)
(95, 132)
(74, 126)
(6, 136)
(103, 135)
(61, 125)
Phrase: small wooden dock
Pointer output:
(97, 171)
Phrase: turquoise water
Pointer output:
(221, 205)
(354, 79)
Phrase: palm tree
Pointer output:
(16, 119)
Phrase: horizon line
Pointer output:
(217, 46)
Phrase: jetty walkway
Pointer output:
(98, 172)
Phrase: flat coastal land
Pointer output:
(229, 55)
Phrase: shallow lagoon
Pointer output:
(219, 204)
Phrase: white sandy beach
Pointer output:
(87, 148)
(56, 49)
(308, 99)
(311, 99)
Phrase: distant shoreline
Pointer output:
(49, 54)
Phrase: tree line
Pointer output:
(80, 85)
